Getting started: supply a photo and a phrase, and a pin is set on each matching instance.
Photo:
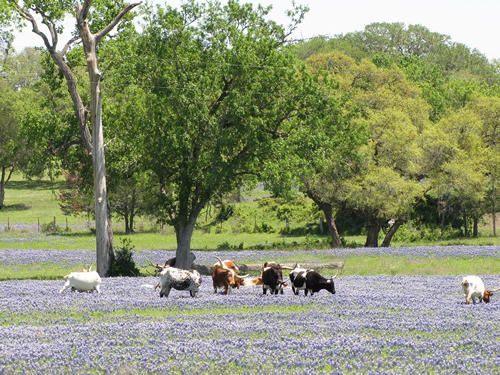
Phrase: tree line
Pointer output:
(378, 127)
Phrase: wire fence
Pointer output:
(49, 224)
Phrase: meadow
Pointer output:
(373, 324)
(396, 310)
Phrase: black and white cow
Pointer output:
(310, 281)
(171, 277)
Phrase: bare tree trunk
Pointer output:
(373, 229)
(184, 257)
(127, 226)
(4, 178)
(391, 232)
(330, 220)
(2, 188)
(131, 221)
(104, 245)
(332, 226)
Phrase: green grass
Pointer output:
(354, 265)
(35, 202)
(44, 318)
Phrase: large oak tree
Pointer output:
(211, 92)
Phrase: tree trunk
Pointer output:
(493, 209)
(330, 220)
(104, 246)
(127, 226)
(2, 188)
(466, 226)
(184, 257)
(391, 232)
(3, 181)
(131, 221)
(373, 229)
(442, 212)
(475, 221)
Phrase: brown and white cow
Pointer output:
(225, 275)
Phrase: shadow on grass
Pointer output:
(15, 207)
(35, 185)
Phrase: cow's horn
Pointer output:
(222, 264)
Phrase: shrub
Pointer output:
(50, 227)
(124, 264)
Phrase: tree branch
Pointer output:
(68, 44)
(113, 23)
(29, 17)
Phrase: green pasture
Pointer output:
(353, 265)
(33, 202)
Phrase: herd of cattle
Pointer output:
(225, 274)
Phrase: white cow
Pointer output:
(82, 281)
(473, 288)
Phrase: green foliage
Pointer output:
(204, 103)
(123, 264)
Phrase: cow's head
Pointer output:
(487, 296)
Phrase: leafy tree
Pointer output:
(94, 20)
(9, 141)
(17, 75)
(322, 151)
(488, 110)
(458, 172)
(385, 185)
(213, 89)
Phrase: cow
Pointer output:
(272, 278)
(310, 281)
(473, 287)
(86, 281)
(225, 275)
(171, 277)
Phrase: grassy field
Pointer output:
(33, 203)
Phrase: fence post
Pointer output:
(8, 223)
(54, 221)
(38, 226)
(66, 223)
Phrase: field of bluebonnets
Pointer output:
(373, 324)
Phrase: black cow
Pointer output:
(272, 278)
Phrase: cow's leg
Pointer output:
(264, 290)
(226, 289)
(167, 291)
(66, 286)
(98, 288)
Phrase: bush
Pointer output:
(124, 264)
(50, 227)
